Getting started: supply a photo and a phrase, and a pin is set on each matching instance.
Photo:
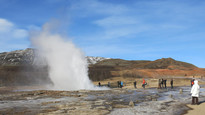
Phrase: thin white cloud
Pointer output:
(95, 7)
(12, 37)
(125, 31)
(116, 21)
(20, 33)
(34, 28)
(8, 31)
(5, 26)
(125, 50)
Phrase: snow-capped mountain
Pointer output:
(30, 57)
(94, 60)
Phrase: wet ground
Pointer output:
(97, 102)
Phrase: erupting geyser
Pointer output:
(67, 64)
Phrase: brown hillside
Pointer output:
(165, 67)
(164, 63)
(168, 63)
(123, 63)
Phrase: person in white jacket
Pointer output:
(195, 92)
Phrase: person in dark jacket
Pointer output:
(159, 84)
(135, 84)
(99, 84)
(165, 83)
(118, 84)
(162, 82)
(108, 84)
(171, 83)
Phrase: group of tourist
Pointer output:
(119, 84)
(162, 84)
(144, 83)
(99, 84)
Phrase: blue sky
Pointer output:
(126, 29)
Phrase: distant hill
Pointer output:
(164, 63)
(169, 63)
(165, 67)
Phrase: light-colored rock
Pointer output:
(180, 91)
(99, 102)
(131, 104)
(101, 107)
(154, 99)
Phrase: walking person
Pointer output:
(171, 83)
(144, 83)
(118, 84)
(121, 84)
(159, 84)
(135, 84)
(162, 82)
(195, 92)
(99, 84)
(108, 84)
(165, 83)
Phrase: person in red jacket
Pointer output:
(192, 82)
(144, 83)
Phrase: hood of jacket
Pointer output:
(196, 82)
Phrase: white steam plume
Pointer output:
(67, 64)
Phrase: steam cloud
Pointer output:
(67, 64)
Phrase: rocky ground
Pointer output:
(72, 102)
(127, 100)
(84, 102)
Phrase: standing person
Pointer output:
(135, 84)
(118, 84)
(108, 84)
(192, 82)
(159, 84)
(162, 82)
(143, 83)
(165, 83)
(195, 93)
(121, 84)
(99, 84)
(171, 83)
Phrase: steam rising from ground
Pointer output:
(67, 64)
